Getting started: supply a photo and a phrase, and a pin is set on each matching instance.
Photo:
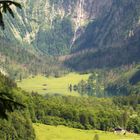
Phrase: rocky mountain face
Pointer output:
(53, 26)
(111, 40)
(114, 28)
(105, 31)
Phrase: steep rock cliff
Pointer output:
(111, 40)
(112, 29)
(52, 26)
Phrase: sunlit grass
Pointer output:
(53, 85)
(46, 132)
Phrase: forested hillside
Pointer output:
(111, 40)
(122, 81)
(19, 62)
(96, 34)
(111, 57)
(126, 83)
(15, 122)
(87, 112)
(20, 109)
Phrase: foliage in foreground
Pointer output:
(77, 112)
(15, 122)
(5, 7)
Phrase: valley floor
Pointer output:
(46, 132)
(52, 85)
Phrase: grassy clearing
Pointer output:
(46, 132)
(53, 85)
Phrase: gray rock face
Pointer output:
(44, 17)
(114, 28)
(57, 26)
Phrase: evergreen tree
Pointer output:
(5, 7)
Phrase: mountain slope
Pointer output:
(114, 28)
(111, 57)
(127, 83)
(105, 31)
(18, 62)
(52, 26)
(110, 41)
(15, 121)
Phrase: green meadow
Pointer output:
(52, 85)
(46, 132)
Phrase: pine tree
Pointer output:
(5, 7)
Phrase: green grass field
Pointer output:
(46, 132)
(60, 85)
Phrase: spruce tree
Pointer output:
(5, 6)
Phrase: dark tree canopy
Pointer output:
(5, 7)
